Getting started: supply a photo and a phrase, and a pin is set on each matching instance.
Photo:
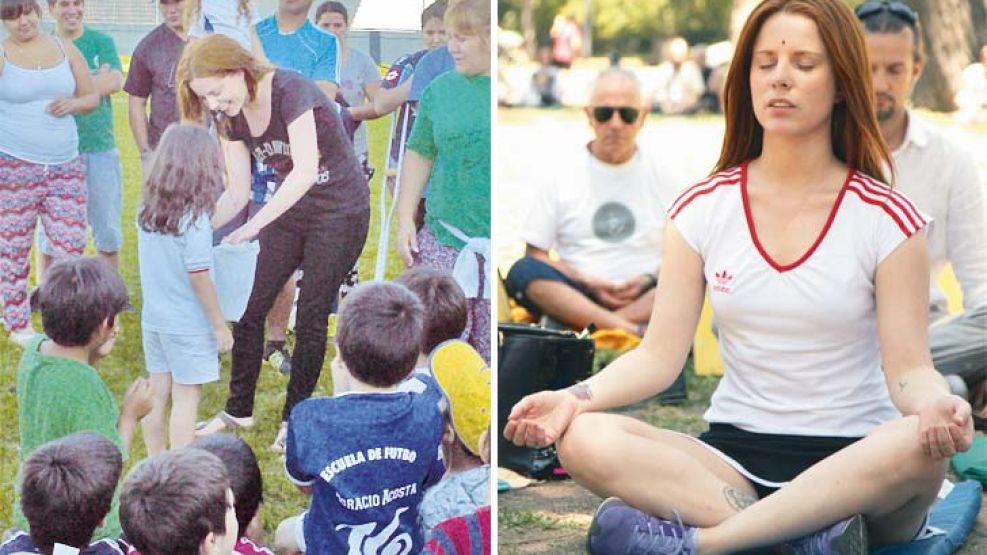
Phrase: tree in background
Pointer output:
(953, 30)
(631, 27)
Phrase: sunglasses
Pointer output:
(898, 9)
(603, 114)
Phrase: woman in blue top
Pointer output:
(43, 81)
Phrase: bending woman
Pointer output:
(830, 421)
(317, 219)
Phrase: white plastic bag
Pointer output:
(234, 267)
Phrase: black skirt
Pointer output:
(771, 460)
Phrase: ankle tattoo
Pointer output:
(737, 499)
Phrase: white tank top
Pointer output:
(27, 131)
(799, 342)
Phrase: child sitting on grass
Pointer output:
(179, 503)
(367, 454)
(59, 391)
(66, 490)
(245, 481)
(445, 318)
(445, 308)
(464, 378)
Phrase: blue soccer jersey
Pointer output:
(21, 542)
(309, 50)
(368, 458)
(433, 64)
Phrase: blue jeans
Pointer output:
(527, 270)
(103, 205)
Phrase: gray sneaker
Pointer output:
(278, 358)
(619, 529)
(847, 537)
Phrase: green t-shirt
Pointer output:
(57, 397)
(452, 128)
(96, 127)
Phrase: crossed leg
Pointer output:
(885, 476)
(573, 308)
(653, 470)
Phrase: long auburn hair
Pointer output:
(186, 177)
(214, 56)
(855, 135)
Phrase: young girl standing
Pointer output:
(183, 326)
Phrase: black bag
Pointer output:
(532, 359)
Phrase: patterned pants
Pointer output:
(433, 254)
(56, 194)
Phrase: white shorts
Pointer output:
(190, 359)
(300, 532)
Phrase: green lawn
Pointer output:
(281, 498)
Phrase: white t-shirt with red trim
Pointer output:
(799, 342)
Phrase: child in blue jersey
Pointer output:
(183, 328)
(367, 454)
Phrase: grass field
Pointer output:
(281, 498)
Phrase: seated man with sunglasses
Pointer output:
(603, 213)
(940, 177)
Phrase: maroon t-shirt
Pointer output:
(152, 75)
(340, 186)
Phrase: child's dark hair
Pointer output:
(436, 11)
(445, 317)
(76, 297)
(380, 330)
(67, 487)
(172, 501)
(243, 471)
(185, 178)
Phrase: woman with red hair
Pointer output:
(316, 220)
(830, 421)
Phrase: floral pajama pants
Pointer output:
(28, 191)
(433, 254)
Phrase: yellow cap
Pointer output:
(465, 379)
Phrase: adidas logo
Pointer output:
(721, 281)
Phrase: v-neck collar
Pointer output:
(753, 230)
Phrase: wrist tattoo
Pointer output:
(737, 499)
(902, 384)
(581, 391)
